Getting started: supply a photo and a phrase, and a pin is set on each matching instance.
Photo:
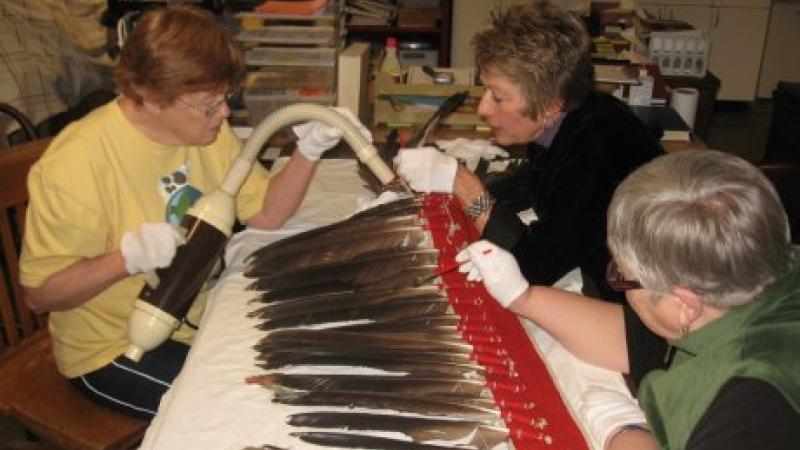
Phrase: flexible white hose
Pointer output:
(301, 112)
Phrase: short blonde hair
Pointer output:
(541, 48)
(176, 50)
(703, 220)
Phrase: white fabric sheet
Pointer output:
(210, 406)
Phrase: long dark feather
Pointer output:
(387, 364)
(315, 304)
(382, 270)
(417, 386)
(400, 212)
(300, 355)
(392, 311)
(419, 429)
(452, 103)
(347, 440)
(336, 248)
(391, 402)
(361, 270)
(390, 341)
(331, 290)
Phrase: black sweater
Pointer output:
(569, 186)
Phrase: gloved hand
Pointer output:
(497, 268)
(605, 412)
(426, 169)
(150, 247)
(315, 137)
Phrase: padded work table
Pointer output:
(211, 406)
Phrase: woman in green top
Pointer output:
(701, 247)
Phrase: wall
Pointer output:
(471, 15)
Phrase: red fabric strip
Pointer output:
(520, 382)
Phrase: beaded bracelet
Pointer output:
(480, 205)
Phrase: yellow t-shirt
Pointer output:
(100, 178)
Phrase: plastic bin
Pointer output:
(282, 56)
(269, 91)
(289, 35)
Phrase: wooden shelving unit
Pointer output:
(439, 35)
(289, 59)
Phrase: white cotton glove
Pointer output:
(471, 149)
(605, 412)
(497, 268)
(426, 169)
(315, 138)
(150, 247)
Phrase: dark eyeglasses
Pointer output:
(617, 281)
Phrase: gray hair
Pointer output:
(703, 220)
(541, 48)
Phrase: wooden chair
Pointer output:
(25, 125)
(32, 391)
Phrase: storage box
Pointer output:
(281, 56)
(266, 92)
(291, 78)
(417, 54)
(680, 53)
(289, 35)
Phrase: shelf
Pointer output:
(438, 35)
(329, 13)
(387, 30)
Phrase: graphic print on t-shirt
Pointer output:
(178, 194)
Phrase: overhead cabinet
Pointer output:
(737, 29)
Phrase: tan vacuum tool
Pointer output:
(160, 308)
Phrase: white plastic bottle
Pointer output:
(391, 64)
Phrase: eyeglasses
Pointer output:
(617, 281)
(211, 109)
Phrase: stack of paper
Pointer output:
(370, 12)
(292, 7)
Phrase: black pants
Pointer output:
(134, 388)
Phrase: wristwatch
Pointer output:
(480, 205)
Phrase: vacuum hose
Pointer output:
(162, 305)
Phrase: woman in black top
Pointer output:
(536, 66)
